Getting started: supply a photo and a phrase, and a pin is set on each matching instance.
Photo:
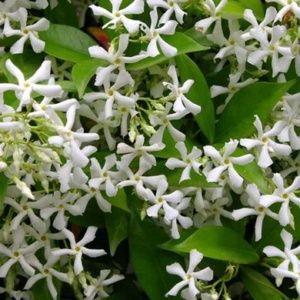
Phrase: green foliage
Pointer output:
(116, 225)
(259, 287)
(219, 243)
(199, 94)
(63, 13)
(3, 187)
(236, 8)
(253, 173)
(83, 71)
(181, 41)
(259, 99)
(67, 42)
(148, 261)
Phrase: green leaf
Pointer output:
(256, 6)
(40, 289)
(119, 201)
(259, 287)
(219, 243)
(253, 173)
(233, 9)
(199, 94)
(196, 180)
(183, 44)
(63, 13)
(67, 43)
(236, 8)
(83, 71)
(3, 188)
(259, 99)
(199, 37)
(67, 86)
(116, 226)
(148, 261)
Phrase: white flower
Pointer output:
(163, 120)
(171, 6)
(71, 141)
(290, 118)
(43, 235)
(98, 285)
(141, 182)
(111, 94)
(48, 110)
(26, 32)
(281, 55)
(184, 221)
(47, 272)
(212, 212)
(115, 58)
(103, 175)
(259, 28)
(214, 12)
(23, 208)
(188, 161)
(287, 6)
(18, 252)
(288, 256)
(154, 36)
(233, 45)
(257, 209)
(118, 16)
(181, 102)
(164, 201)
(283, 195)
(139, 150)
(98, 116)
(265, 145)
(26, 87)
(60, 204)
(78, 249)
(189, 277)
(224, 161)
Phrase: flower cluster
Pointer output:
(132, 127)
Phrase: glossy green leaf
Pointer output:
(83, 71)
(199, 37)
(183, 44)
(67, 42)
(259, 287)
(40, 289)
(148, 261)
(233, 9)
(67, 86)
(259, 99)
(253, 173)
(256, 6)
(236, 8)
(219, 243)
(119, 201)
(116, 226)
(199, 94)
(196, 180)
(3, 188)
